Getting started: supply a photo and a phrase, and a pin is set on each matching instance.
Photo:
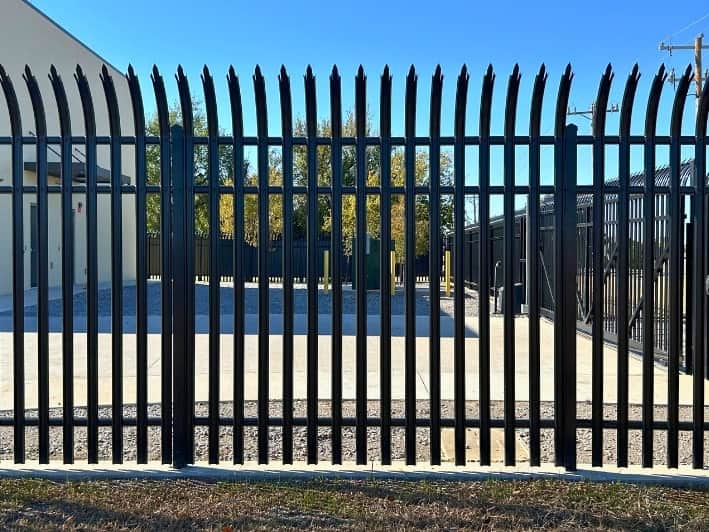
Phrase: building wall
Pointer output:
(29, 37)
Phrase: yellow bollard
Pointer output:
(392, 264)
(448, 273)
(326, 271)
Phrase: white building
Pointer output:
(28, 37)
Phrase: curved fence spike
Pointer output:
(653, 102)
(535, 111)
(461, 100)
(360, 277)
(598, 118)
(40, 118)
(67, 266)
(649, 213)
(360, 102)
(623, 269)
(87, 106)
(18, 268)
(598, 130)
(511, 103)
(210, 103)
(13, 106)
(484, 272)
(311, 117)
(560, 407)
(676, 212)
(562, 102)
(335, 102)
(114, 119)
(114, 122)
(40, 121)
(186, 106)
(535, 114)
(679, 102)
(698, 307)
(87, 103)
(436, 96)
(486, 102)
(141, 267)
(136, 97)
(210, 100)
(508, 270)
(626, 108)
(385, 263)
(237, 116)
(261, 110)
(286, 103)
(263, 278)
(434, 264)
(237, 127)
(410, 103)
(163, 114)
(166, 295)
(410, 265)
(336, 243)
(62, 102)
(385, 104)
(185, 299)
(287, 263)
(312, 229)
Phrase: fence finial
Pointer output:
(486, 101)
(626, 108)
(562, 102)
(680, 100)
(598, 117)
(653, 102)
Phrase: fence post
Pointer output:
(181, 411)
(567, 302)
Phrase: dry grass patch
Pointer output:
(348, 504)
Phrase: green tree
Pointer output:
(201, 166)
(300, 178)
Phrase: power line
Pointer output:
(691, 24)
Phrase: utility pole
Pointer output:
(698, 46)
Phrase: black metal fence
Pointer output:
(177, 190)
(584, 249)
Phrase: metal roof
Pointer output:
(637, 179)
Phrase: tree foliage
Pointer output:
(300, 178)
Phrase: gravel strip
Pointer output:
(348, 439)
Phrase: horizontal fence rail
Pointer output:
(223, 221)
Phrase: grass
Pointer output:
(348, 504)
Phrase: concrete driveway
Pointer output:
(324, 348)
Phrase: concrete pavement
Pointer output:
(423, 378)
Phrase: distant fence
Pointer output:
(298, 252)
(584, 250)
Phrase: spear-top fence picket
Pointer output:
(177, 190)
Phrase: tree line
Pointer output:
(300, 178)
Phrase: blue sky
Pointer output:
(398, 33)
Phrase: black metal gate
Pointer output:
(178, 189)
